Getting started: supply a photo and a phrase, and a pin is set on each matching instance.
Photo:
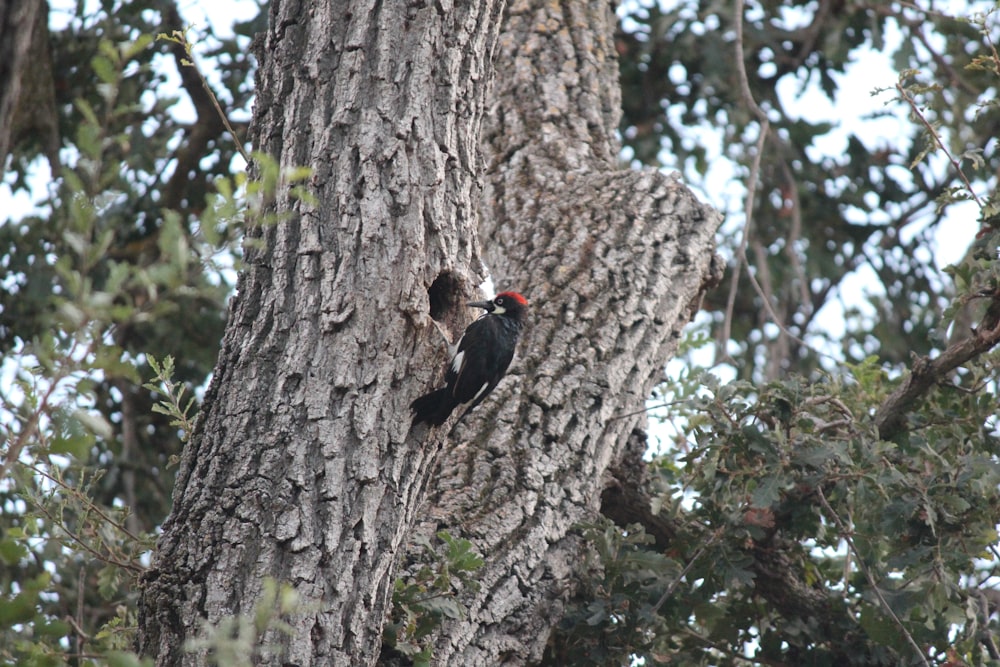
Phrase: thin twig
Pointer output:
(31, 425)
(687, 568)
(741, 255)
(831, 425)
(779, 350)
(986, 636)
(845, 533)
(795, 234)
(222, 114)
(91, 506)
(79, 632)
(729, 651)
(741, 69)
(103, 557)
(82, 637)
(937, 139)
(179, 37)
(648, 408)
(746, 95)
(911, 5)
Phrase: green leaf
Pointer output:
(69, 435)
(104, 69)
(96, 423)
(87, 111)
(879, 628)
(12, 551)
(48, 627)
(445, 606)
(130, 50)
(19, 609)
(123, 659)
(767, 493)
(109, 581)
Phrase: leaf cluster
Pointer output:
(428, 595)
(801, 537)
(238, 640)
(824, 219)
(614, 614)
(107, 272)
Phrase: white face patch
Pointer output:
(456, 363)
(499, 310)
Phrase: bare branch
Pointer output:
(927, 372)
(845, 533)
(937, 139)
(746, 96)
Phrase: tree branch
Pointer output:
(846, 534)
(915, 109)
(625, 500)
(209, 125)
(926, 372)
(746, 97)
(777, 571)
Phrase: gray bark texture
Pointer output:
(300, 468)
(615, 262)
(26, 103)
(431, 134)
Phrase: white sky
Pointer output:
(851, 112)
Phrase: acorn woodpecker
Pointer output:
(480, 359)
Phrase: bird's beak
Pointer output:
(485, 305)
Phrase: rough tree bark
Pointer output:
(27, 104)
(16, 20)
(301, 468)
(615, 262)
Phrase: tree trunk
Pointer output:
(17, 17)
(615, 262)
(27, 103)
(301, 468)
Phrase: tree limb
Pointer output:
(208, 126)
(27, 105)
(626, 501)
(926, 372)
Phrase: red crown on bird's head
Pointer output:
(514, 296)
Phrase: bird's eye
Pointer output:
(499, 301)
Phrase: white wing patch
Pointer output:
(456, 362)
(479, 393)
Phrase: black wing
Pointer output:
(482, 358)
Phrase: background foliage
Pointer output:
(793, 522)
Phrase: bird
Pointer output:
(480, 359)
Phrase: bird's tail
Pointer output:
(433, 408)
